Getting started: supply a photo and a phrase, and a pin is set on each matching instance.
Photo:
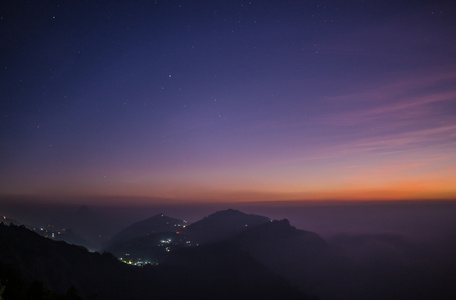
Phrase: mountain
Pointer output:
(152, 238)
(150, 248)
(290, 252)
(87, 223)
(7, 221)
(67, 235)
(285, 250)
(190, 273)
(263, 260)
(57, 264)
(52, 232)
(13, 287)
(234, 268)
(268, 239)
(222, 225)
(156, 224)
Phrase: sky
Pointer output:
(187, 101)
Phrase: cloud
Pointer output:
(407, 97)
(433, 137)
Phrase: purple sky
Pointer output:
(228, 100)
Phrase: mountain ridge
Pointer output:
(155, 224)
(222, 225)
(223, 275)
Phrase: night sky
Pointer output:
(228, 100)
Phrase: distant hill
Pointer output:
(290, 252)
(190, 273)
(268, 239)
(70, 237)
(89, 224)
(150, 239)
(52, 232)
(148, 248)
(278, 245)
(156, 224)
(222, 225)
(219, 257)
(235, 269)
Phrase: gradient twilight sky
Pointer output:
(219, 100)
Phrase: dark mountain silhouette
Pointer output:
(57, 264)
(156, 224)
(279, 236)
(7, 221)
(70, 237)
(257, 261)
(235, 268)
(290, 252)
(222, 225)
(152, 238)
(287, 251)
(149, 248)
(190, 273)
(50, 231)
(87, 223)
(13, 287)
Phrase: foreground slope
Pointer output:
(226, 274)
(293, 253)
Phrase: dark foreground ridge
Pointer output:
(226, 255)
(212, 272)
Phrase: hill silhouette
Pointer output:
(267, 259)
(190, 273)
(149, 248)
(70, 237)
(90, 225)
(156, 224)
(292, 253)
(287, 251)
(222, 225)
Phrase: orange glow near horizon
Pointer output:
(359, 108)
(346, 176)
(358, 187)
